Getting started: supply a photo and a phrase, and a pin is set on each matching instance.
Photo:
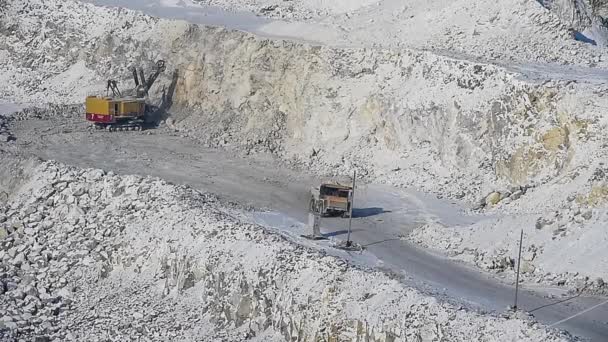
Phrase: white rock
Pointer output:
(31, 291)
(35, 218)
(492, 199)
(587, 215)
(516, 195)
(18, 259)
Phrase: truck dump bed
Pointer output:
(331, 198)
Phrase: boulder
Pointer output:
(527, 267)
(35, 218)
(18, 259)
(542, 222)
(31, 291)
(78, 190)
(8, 323)
(587, 215)
(529, 256)
(555, 139)
(580, 284)
(599, 282)
(516, 195)
(492, 199)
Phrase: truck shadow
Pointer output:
(367, 212)
(339, 232)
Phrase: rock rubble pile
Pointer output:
(5, 135)
(89, 255)
(49, 111)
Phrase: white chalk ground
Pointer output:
(382, 217)
(518, 35)
(563, 245)
(514, 31)
(164, 262)
(8, 108)
(77, 79)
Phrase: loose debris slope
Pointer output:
(521, 141)
(89, 255)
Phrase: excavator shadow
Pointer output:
(162, 112)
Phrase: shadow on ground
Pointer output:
(367, 212)
(339, 232)
(159, 113)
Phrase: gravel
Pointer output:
(125, 256)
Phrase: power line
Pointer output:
(558, 302)
(578, 314)
(521, 241)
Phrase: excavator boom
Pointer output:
(135, 77)
(160, 67)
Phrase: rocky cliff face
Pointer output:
(441, 124)
(411, 118)
(586, 17)
(441, 119)
(446, 125)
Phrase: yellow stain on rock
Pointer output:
(598, 195)
(528, 160)
(556, 139)
(525, 162)
(371, 110)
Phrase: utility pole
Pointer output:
(521, 240)
(352, 204)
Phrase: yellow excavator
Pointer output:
(120, 112)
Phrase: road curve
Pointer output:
(384, 214)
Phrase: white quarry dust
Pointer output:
(299, 9)
(505, 30)
(89, 255)
(491, 103)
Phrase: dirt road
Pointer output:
(383, 214)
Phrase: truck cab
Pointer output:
(330, 199)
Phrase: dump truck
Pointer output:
(331, 199)
(122, 111)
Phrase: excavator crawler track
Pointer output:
(120, 127)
